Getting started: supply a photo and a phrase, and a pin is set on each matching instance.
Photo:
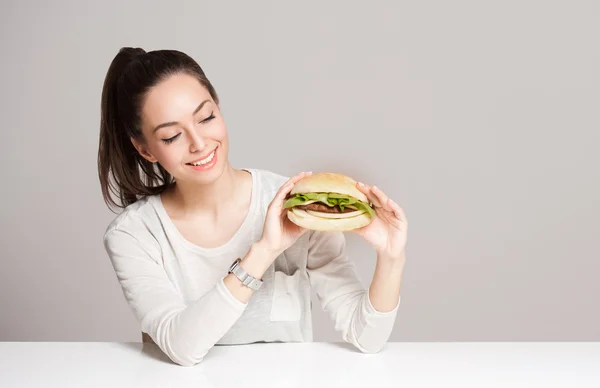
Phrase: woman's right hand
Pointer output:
(279, 233)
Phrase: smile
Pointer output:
(206, 160)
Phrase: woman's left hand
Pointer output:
(387, 232)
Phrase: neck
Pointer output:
(211, 198)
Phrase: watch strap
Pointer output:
(246, 279)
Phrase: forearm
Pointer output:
(384, 291)
(189, 335)
(374, 317)
(256, 262)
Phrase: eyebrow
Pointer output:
(175, 122)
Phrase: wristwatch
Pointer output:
(246, 279)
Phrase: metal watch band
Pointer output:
(246, 279)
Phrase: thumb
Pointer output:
(281, 194)
(277, 202)
(285, 189)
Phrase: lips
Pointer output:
(202, 158)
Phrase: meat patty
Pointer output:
(321, 207)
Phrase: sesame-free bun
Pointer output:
(327, 182)
(309, 221)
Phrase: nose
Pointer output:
(197, 142)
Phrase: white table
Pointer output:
(482, 365)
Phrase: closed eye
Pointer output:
(208, 118)
(171, 139)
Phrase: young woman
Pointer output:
(188, 215)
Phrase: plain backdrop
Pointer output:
(479, 117)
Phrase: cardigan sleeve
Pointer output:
(184, 332)
(342, 295)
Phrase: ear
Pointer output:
(141, 149)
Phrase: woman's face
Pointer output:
(182, 125)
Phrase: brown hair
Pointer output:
(131, 75)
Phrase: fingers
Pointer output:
(297, 177)
(368, 191)
(285, 189)
(398, 211)
(383, 199)
(380, 199)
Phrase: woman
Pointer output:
(188, 215)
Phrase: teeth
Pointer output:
(205, 161)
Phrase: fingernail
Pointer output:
(361, 184)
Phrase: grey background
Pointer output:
(480, 118)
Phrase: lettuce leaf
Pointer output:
(330, 199)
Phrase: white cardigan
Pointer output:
(176, 290)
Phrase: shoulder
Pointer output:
(136, 219)
(133, 234)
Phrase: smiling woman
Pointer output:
(197, 239)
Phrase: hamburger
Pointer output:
(328, 202)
